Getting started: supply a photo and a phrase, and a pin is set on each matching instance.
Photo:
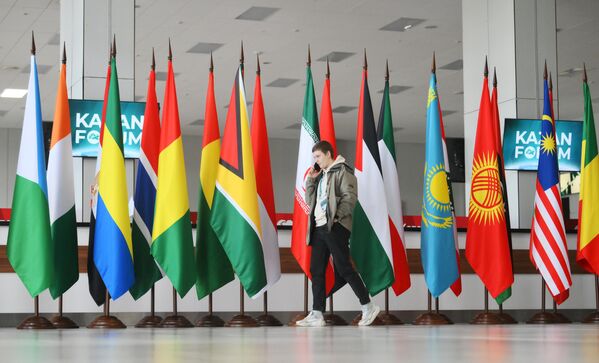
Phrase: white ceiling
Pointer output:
(282, 40)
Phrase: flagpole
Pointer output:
(210, 320)
(106, 321)
(593, 318)
(267, 319)
(152, 320)
(487, 317)
(387, 317)
(430, 317)
(241, 320)
(175, 320)
(542, 317)
(60, 321)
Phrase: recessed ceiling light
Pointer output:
(407, 27)
(13, 93)
(402, 24)
(257, 13)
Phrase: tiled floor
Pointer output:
(459, 343)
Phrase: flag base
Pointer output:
(176, 321)
(106, 322)
(210, 321)
(62, 322)
(593, 318)
(35, 322)
(507, 318)
(377, 321)
(487, 318)
(150, 321)
(430, 318)
(390, 319)
(332, 319)
(542, 317)
(561, 318)
(297, 318)
(242, 321)
(268, 320)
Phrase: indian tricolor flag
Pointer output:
(588, 221)
(235, 213)
(370, 241)
(29, 247)
(61, 194)
(172, 241)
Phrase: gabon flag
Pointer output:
(144, 200)
(386, 143)
(235, 214)
(370, 241)
(172, 241)
(29, 245)
(266, 197)
(309, 135)
(61, 192)
(487, 245)
(212, 264)
(587, 254)
(113, 250)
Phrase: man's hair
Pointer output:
(324, 147)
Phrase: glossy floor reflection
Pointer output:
(459, 343)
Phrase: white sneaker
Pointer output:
(369, 313)
(315, 318)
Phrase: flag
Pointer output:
(96, 286)
(113, 252)
(506, 207)
(266, 197)
(487, 247)
(588, 205)
(144, 200)
(172, 240)
(327, 126)
(235, 213)
(29, 246)
(386, 144)
(61, 194)
(370, 241)
(213, 267)
(548, 248)
(438, 243)
(309, 135)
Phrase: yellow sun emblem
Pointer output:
(548, 144)
(486, 198)
(437, 191)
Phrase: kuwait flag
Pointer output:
(146, 270)
(487, 245)
(113, 251)
(370, 241)
(386, 143)
(172, 241)
(309, 135)
(29, 246)
(235, 213)
(61, 193)
(588, 229)
(212, 265)
(266, 197)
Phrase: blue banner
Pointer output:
(522, 140)
(86, 118)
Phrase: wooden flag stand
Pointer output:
(559, 317)
(60, 321)
(210, 320)
(106, 321)
(36, 321)
(430, 317)
(593, 318)
(332, 319)
(386, 317)
(487, 317)
(266, 319)
(152, 320)
(542, 317)
(507, 318)
(175, 320)
(300, 316)
(241, 320)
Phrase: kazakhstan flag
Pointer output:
(437, 238)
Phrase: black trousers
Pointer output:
(335, 243)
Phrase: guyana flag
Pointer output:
(487, 245)
(212, 265)
(588, 206)
(172, 241)
(235, 216)
(370, 241)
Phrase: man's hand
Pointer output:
(313, 173)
